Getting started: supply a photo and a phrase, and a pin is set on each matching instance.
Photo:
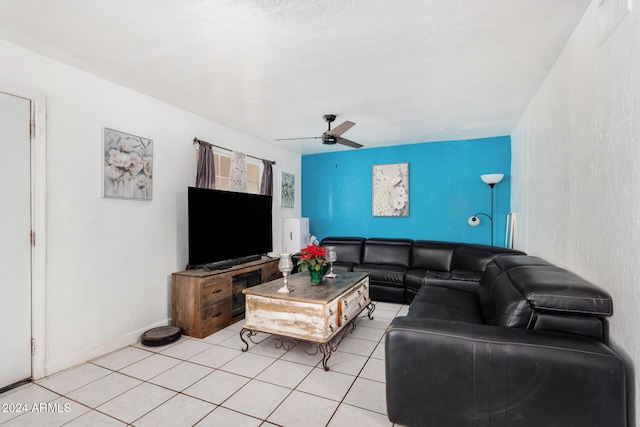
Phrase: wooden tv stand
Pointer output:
(202, 301)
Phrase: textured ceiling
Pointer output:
(404, 71)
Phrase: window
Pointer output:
(223, 171)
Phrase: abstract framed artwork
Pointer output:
(287, 190)
(390, 190)
(127, 166)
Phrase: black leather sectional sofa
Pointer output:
(398, 268)
(493, 337)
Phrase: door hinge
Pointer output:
(33, 238)
(33, 346)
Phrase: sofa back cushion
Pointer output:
(505, 305)
(432, 255)
(388, 251)
(556, 290)
(500, 265)
(546, 298)
(588, 326)
(474, 257)
(349, 249)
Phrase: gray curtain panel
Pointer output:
(266, 186)
(206, 173)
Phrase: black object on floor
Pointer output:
(162, 335)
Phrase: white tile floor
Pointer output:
(210, 382)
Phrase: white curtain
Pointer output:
(238, 175)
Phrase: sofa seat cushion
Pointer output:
(441, 303)
(417, 277)
(387, 275)
(457, 279)
(467, 276)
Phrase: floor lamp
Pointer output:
(491, 179)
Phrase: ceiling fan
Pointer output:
(332, 136)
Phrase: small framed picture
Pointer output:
(127, 166)
(287, 191)
(390, 190)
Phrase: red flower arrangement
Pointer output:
(313, 257)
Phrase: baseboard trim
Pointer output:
(61, 363)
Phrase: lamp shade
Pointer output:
(492, 178)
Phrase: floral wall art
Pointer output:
(128, 166)
(287, 193)
(391, 189)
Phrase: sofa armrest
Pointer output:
(461, 374)
(554, 289)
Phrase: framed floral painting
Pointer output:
(390, 189)
(287, 193)
(128, 166)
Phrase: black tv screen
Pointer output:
(224, 226)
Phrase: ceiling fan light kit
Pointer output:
(332, 136)
(329, 139)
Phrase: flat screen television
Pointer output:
(227, 228)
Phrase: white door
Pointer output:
(15, 243)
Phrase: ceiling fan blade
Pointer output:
(341, 128)
(291, 139)
(345, 141)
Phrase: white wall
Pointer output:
(109, 261)
(576, 169)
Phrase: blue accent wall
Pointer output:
(445, 189)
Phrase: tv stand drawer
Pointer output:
(215, 316)
(215, 290)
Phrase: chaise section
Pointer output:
(527, 349)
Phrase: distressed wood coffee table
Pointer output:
(320, 315)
